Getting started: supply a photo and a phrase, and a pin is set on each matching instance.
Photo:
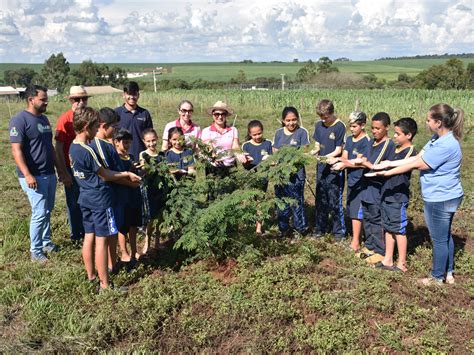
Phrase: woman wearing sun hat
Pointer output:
(223, 138)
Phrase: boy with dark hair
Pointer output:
(128, 199)
(329, 134)
(95, 197)
(395, 197)
(133, 117)
(380, 148)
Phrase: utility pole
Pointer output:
(282, 81)
(154, 79)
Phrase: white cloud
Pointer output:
(223, 30)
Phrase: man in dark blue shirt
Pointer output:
(31, 138)
(133, 117)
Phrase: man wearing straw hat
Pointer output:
(64, 136)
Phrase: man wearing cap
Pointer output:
(31, 140)
(133, 117)
(64, 136)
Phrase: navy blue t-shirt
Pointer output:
(396, 188)
(108, 157)
(257, 151)
(136, 122)
(182, 160)
(329, 137)
(127, 195)
(353, 149)
(95, 193)
(36, 138)
(298, 138)
(372, 186)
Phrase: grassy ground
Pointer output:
(386, 69)
(275, 297)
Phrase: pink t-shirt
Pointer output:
(221, 142)
(193, 131)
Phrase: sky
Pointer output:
(118, 31)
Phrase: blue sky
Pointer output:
(226, 30)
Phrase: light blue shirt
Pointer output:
(442, 182)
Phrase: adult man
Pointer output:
(64, 136)
(133, 117)
(32, 148)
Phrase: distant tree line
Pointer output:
(431, 56)
(57, 73)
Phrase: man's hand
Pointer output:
(66, 179)
(31, 182)
(382, 165)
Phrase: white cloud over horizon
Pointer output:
(226, 30)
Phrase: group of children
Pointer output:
(378, 204)
(118, 195)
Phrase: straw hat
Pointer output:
(220, 105)
(77, 92)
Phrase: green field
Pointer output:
(386, 69)
(310, 296)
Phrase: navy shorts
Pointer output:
(394, 217)
(119, 215)
(100, 222)
(133, 217)
(354, 203)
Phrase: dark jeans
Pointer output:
(374, 233)
(329, 188)
(74, 213)
(294, 190)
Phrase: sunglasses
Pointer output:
(79, 99)
(183, 111)
(219, 114)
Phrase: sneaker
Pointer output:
(374, 259)
(50, 248)
(430, 281)
(39, 257)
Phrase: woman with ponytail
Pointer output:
(440, 178)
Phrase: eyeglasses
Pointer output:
(183, 111)
(219, 114)
(79, 99)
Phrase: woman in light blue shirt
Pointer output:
(440, 178)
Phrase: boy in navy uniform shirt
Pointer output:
(95, 196)
(355, 148)
(395, 197)
(329, 134)
(128, 199)
(133, 117)
(380, 148)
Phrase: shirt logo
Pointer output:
(354, 151)
(141, 118)
(332, 136)
(13, 132)
(43, 129)
(293, 142)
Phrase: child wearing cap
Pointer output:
(95, 196)
(355, 148)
